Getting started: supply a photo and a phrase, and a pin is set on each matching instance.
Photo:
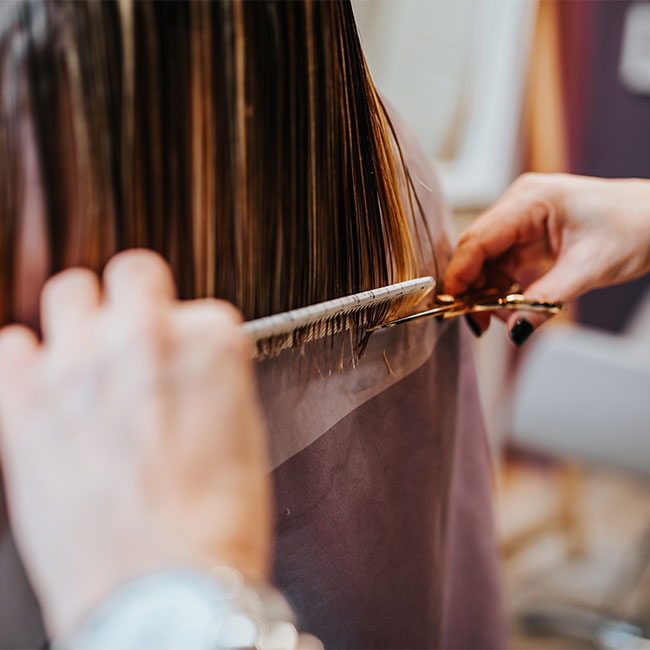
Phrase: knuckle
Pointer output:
(467, 237)
(134, 261)
(147, 328)
(219, 325)
(527, 180)
(64, 285)
(228, 313)
(15, 342)
(539, 209)
(13, 333)
(464, 238)
(135, 256)
(540, 184)
(223, 318)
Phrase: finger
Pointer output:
(224, 352)
(515, 220)
(136, 276)
(564, 282)
(478, 322)
(209, 311)
(18, 351)
(215, 321)
(67, 302)
(568, 279)
(214, 358)
(521, 325)
(18, 346)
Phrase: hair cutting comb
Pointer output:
(323, 319)
(330, 317)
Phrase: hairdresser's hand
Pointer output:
(131, 438)
(558, 236)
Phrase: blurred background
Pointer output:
(493, 88)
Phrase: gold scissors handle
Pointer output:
(492, 300)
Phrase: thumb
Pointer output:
(559, 284)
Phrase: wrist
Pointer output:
(92, 578)
(186, 608)
(632, 217)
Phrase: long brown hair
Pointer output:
(244, 141)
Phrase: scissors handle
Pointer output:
(451, 307)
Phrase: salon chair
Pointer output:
(585, 395)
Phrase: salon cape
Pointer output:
(383, 516)
(383, 512)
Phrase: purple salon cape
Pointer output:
(383, 512)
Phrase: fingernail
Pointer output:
(521, 331)
(473, 325)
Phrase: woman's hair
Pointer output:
(244, 141)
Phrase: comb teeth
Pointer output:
(359, 311)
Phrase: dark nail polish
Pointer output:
(473, 325)
(521, 331)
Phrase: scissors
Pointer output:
(446, 306)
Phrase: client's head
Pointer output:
(244, 141)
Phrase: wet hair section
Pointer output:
(244, 141)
